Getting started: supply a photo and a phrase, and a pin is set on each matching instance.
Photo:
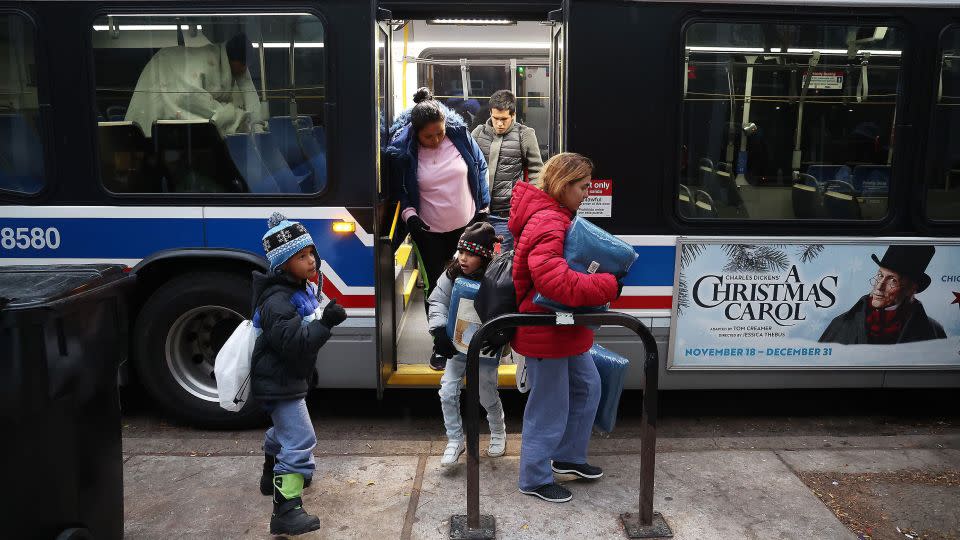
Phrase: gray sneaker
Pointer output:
(554, 493)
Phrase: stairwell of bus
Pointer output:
(463, 61)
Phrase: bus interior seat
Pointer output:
(288, 180)
(247, 159)
(320, 134)
(126, 161)
(685, 204)
(288, 140)
(704, 205)
(840, 201)
(317, 156)
(807, 201)
(302, 121)
(193, 157)
(706, 172)
(871, 180)
(826, 173)
(21, 155)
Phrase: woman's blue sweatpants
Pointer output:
(561, 408)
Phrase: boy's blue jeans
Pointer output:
(291, 438)
(558, 420)
(450, 385)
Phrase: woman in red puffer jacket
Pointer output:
(563, 379)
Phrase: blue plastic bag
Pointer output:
(613, 375)
(589, 249)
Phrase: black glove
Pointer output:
(479, 217)
(442, 344)
(333, 314)
(494, 344)
(416, 226)
(619, 287)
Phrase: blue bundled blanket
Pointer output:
(590, 249)
(613, 375)
(462, 320)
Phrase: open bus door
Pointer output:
(558, 86)
(387, 212)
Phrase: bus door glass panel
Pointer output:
(211, 103)
(389, 302)
(21, 147)
(558, 89)
(788, 121)
(533, 98)
(943, 187)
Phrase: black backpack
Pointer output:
(497, 295)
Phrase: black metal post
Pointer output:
(649, 524)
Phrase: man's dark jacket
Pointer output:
(286, 352)
(850, 328)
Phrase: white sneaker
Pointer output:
(498, 443)
(452, 453)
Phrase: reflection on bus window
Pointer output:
(211, 103)
(21, 150)
(786, 121)
(943, 192)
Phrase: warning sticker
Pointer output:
(600, 200)
(826, 80)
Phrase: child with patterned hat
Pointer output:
(474, 253)
(286, 306)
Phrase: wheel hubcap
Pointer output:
(192, 345)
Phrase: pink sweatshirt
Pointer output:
(445, 200)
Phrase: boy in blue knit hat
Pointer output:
(285, 304)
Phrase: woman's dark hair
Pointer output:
(426, 111)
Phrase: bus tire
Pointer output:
(176, 337)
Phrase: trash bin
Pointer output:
(63, 332)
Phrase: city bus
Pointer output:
(739, 140)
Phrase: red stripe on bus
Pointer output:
(642, 302)
(347, 300)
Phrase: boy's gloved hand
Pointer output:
(494, 344)
(442, 343)
(333, 314)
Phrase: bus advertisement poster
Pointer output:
(803, 303)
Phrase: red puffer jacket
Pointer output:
(539, 223)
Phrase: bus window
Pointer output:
(943, 191)
(788, 121)
(216, 103)
(21, 149)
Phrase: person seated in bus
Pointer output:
(286, 306)
(562, 376)
(474, 253)
(439, 177)
(199, 83)
(513, 155)
(890, 313)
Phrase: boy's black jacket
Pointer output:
(286, 353)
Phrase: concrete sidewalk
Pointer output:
(719, 488)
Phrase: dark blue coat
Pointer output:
(402, 152)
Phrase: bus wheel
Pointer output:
(176, 339)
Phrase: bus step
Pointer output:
(421, 376)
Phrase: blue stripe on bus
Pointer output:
(109, 238)
(654, 267)
(138, 238)
(345, 253)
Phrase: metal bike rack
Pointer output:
(644, 524)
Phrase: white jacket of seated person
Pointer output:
(195, 83)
